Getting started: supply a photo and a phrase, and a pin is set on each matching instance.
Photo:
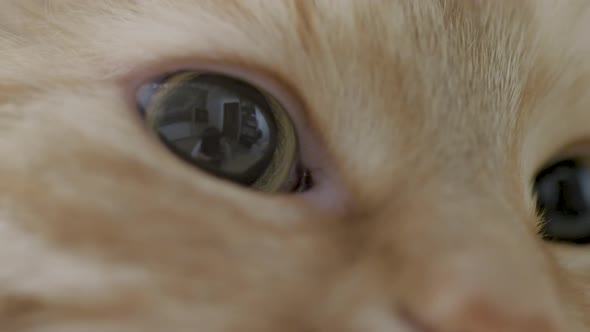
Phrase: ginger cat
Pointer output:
(444, 142)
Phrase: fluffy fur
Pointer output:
(432, 118)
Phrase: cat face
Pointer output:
(423, 125)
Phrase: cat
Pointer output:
(424, 124)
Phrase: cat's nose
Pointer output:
(466, 265)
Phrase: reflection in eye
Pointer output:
(225, 127)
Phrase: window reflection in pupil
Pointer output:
(220, 124)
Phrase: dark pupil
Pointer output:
(563, 192)
(220, 124)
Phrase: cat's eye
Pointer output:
(563, 198)
(226, 127)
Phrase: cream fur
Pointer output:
(432, 117)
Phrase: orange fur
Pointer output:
(434, 116)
